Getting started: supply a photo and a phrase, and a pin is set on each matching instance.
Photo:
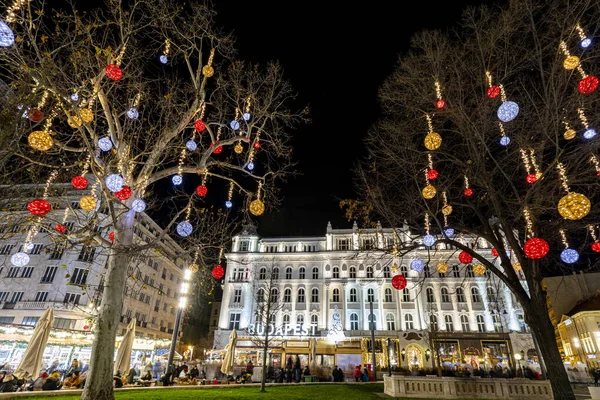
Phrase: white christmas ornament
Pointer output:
(184, 228)
(508, 111)
(246, 116)
(105, 143)
(235, 125)
(114, 182)
(133, 113)
(74, 97)
(28, 246)
(163, 59)
(7, 37)
(138, 205)
(191, 145)
(19, 259)
(177, 179)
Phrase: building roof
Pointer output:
(591, 304)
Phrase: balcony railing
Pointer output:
(42, 305)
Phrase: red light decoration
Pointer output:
(218, 272)
(35, 115)
(85, 327)
(199, 125)
(588, 84)
(440, 104)
(124, 193)
(493, 92)
(468, 192)
(257, 145)
(399, 282)
(114, 72)
(39, 207)
(598, 173)
(432, 174)
(531, 178)
(465, 257)
(201, 190)
(111, 236)
(536, 248)
(218, 149)
(596, 247)
(79, 182)
(60, 228)
(495, 252)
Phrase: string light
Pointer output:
(257, 207)
(570, 62)
(594, 160)
(432, 174)
(528, 223)
(428, 239)
(468, 191)
(246, 116)
(504, 140)
(228, 203)
(11, 14)
(432, 140)
(568, 255)
(596, 244)
(531, 178)
(570, 133)
(508, 110)
(164, 57)
(440, 103)
(589, 132)
(493, 90)
(208, 70)
(585, 41)
(428, 191)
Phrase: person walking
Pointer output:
(297, 369)
(357, 373)
(157, 369)
(288, 366)
(365, 375)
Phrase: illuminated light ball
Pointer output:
(228, 204)
(257, 207)
(235, 125)
(428, 240)
(39, 207)
(585, 43)
(569, 134)
(218, 149)
(184, 228)
(79, 182)
(447, 209)
(596, 247)
(114, 182)
(571, 62)
(465, 257)
(440, 104)
(517, 267)
(395, 268)
(504, 140)
(191, 145)
(28, 246)
(111, 236)
(199, 125)
(531, 178)
(20, 107)
(432, 141)
(495, 252)
(588, 84)
(257, 145)
(114, 72)
(133, 113)
(574, 206)
(569, 256)
(105, 143)
(493, 91)
(218, 272)
(35, 115)
(86, 115)
(441, 267)
(60, 228)
(432, 174)
(124, 193)
(177, 179)
(88, 203)
(589, 133)
(536, 248)
(238, 148)
(75, 97)
(246, 116)
(428, 192)
(74, 121)
(449, 232)
(399, 282)
(86, 327)
(417, 265)
(7, 37)
(20, 259)
(208, 71)
(194, 267)
(479, 269)
(138, 205)
(40, 140)
(250, 166)
(201, 190)
(508, 111)
(468, 192)
(163, 59)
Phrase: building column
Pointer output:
(344, 314)
(326, 302)
(381, 294)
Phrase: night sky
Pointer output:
(336, 57)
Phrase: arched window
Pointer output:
(404, 270)
(370, 295)
(373, 320)
(286, 318)
(430, 296)
(405, 295)
(353, 322)
(314, 319)
(260, 296)
(287, 295)
(353, 272)
(302, 273)
(455, 271)
(336, 272)
(449, 323)
(445, 295)
(315, 295)
(353, 298)
(497, 321)
(480, 323)
(263, 273)
(300, 319)
(288, 273)
(470, 273)
(491, 294)
(475, 297)
(386, 272)
(464, 323)
(408, 322)
(336, 295)
(390, 322)
(274, 295)
(301, 295)
(460, 295)
(276, 273)
(369, 272)
(433, 321)
(388, 295)
(427, 271)
(315, 274)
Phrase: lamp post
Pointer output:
(185, 285)
(388, 357)
(518, 358)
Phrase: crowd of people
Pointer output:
(50, 378)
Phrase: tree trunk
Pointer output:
(99, 383)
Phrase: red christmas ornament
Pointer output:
(114, 72)
(536, 248)
(465, 257)
(199, 125)
(432, 174)
(588, 84)
(79, 182)
(399, 282)
(85, 327)
(60, 228)
(218, 272)
(35, 115)
(468, 192)
(111, 236)
(218, 149)
(493, 92)
(495, 252)
(531, 178)
(256, 145)
(39, 207)
(201, 190)
(598, 173)
(124, 193)
(440, 104)
(596, 247)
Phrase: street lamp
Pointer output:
(427, 354)
(185, 285)
(403, 353)
(388, 356)
(191, 349)
(518, 358)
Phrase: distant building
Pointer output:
(214, 319)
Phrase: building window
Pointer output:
(288, 273)
(390, 322)
(405, 295)
(460, 295)
(480, 323)
(336, 272)
(388, 295)
(244, 245)
(287, 295)
(6, 249)
(7, 320)
(302, 273)
(315, 273)
(432, 322)
(300, 319)
(430, 296)
(234, 321)
(491, 294)
(237, 296)
(263, 273)
(314, 319)
(369, 272)
(427, 271)
(260, 296)
(49, 275)
(4, 296)
(386, 272)
(373, 322)
(13, 272)
(353, 322)
(72, 298)
(315, 295)
(275, 273)
(367, 244)
(41, 296)
(79, 276)
(86, 254)
(352, 272)
(408, 322)
(497, 323)
(343, 244)
(274, 295)
(64, 323)
(522, 324)
(370, 295)
(353, 295)
(16, 297)
(455, 271)
(464, 323)
(470, 273)
(57, 252)
(403, 270)
(301, 295)
(445, 295)
(475, 297)
(30, 321)
(449, 323)
(336, 295)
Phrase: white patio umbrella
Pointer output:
(124, 353)
(312, 352)
(227, 367)
(32, 358)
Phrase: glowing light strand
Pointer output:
(591, 228)
(502, 94)
(526, 162)
(11, 14)
(528, 223)
(594, 160)
(563, 176)
(563, 238)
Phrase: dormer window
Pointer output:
(244, 245)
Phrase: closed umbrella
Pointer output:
(124, 353)
(227, 367)
(32, 358)
(313, 352)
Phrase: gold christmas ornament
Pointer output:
(74, 121)
(194, 267)
(479, 269)
(395, 268)
(441, 267)
(432, 141)
(517, 267)
(574, 206)
(257, 207)
(569, 134)
(40, 140)
(208, 71)
(88, 203)
(429, 192)
(571, 62)
(86, 115)
(238, 148)
(447, 209)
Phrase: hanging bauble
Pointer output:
(536, 248)
(238, 148)
(465, 257)
(133, 113)
(250, 166)
(60, 228)
(28, 246)
(199, 125)
(74, 121)
(79, 182)
(114, 182)
(235, 125)
(184, 228)
(228, 204)
(588, 84)
(495, 252)
(417, 265)
(428, 192)
(40, 140)
(432, 141)
(493, 91)
(138, 205)
(86, 115)
(208, 71)
(257, 145)
(201, 190)
(508, 111)
(88, 203)
(596, 247)
(111, 236)
(177, 179)
(395, 269)
(447, 209)
(398, 282)
(468, 192)
(39, 207)
(428, 240)
(35, 115)
(574, 206)
(504, 140)
(440, 104)
(218, 272)
(531, 178)
(441, 267)
(191, 145)
(20, 259)
(7, 37)
(105, 143)
(113, 71)
(194, 268)
(479, 269)
(569, 256)
(517, 266)
(571, 62)
(432, 174)
(246, 116)
(585, 43)
(75, 97)
(124, 193)
(217, 149)
(589, 133)
(163, 59)
(449, 232)
(569, 134)
(257, 207)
